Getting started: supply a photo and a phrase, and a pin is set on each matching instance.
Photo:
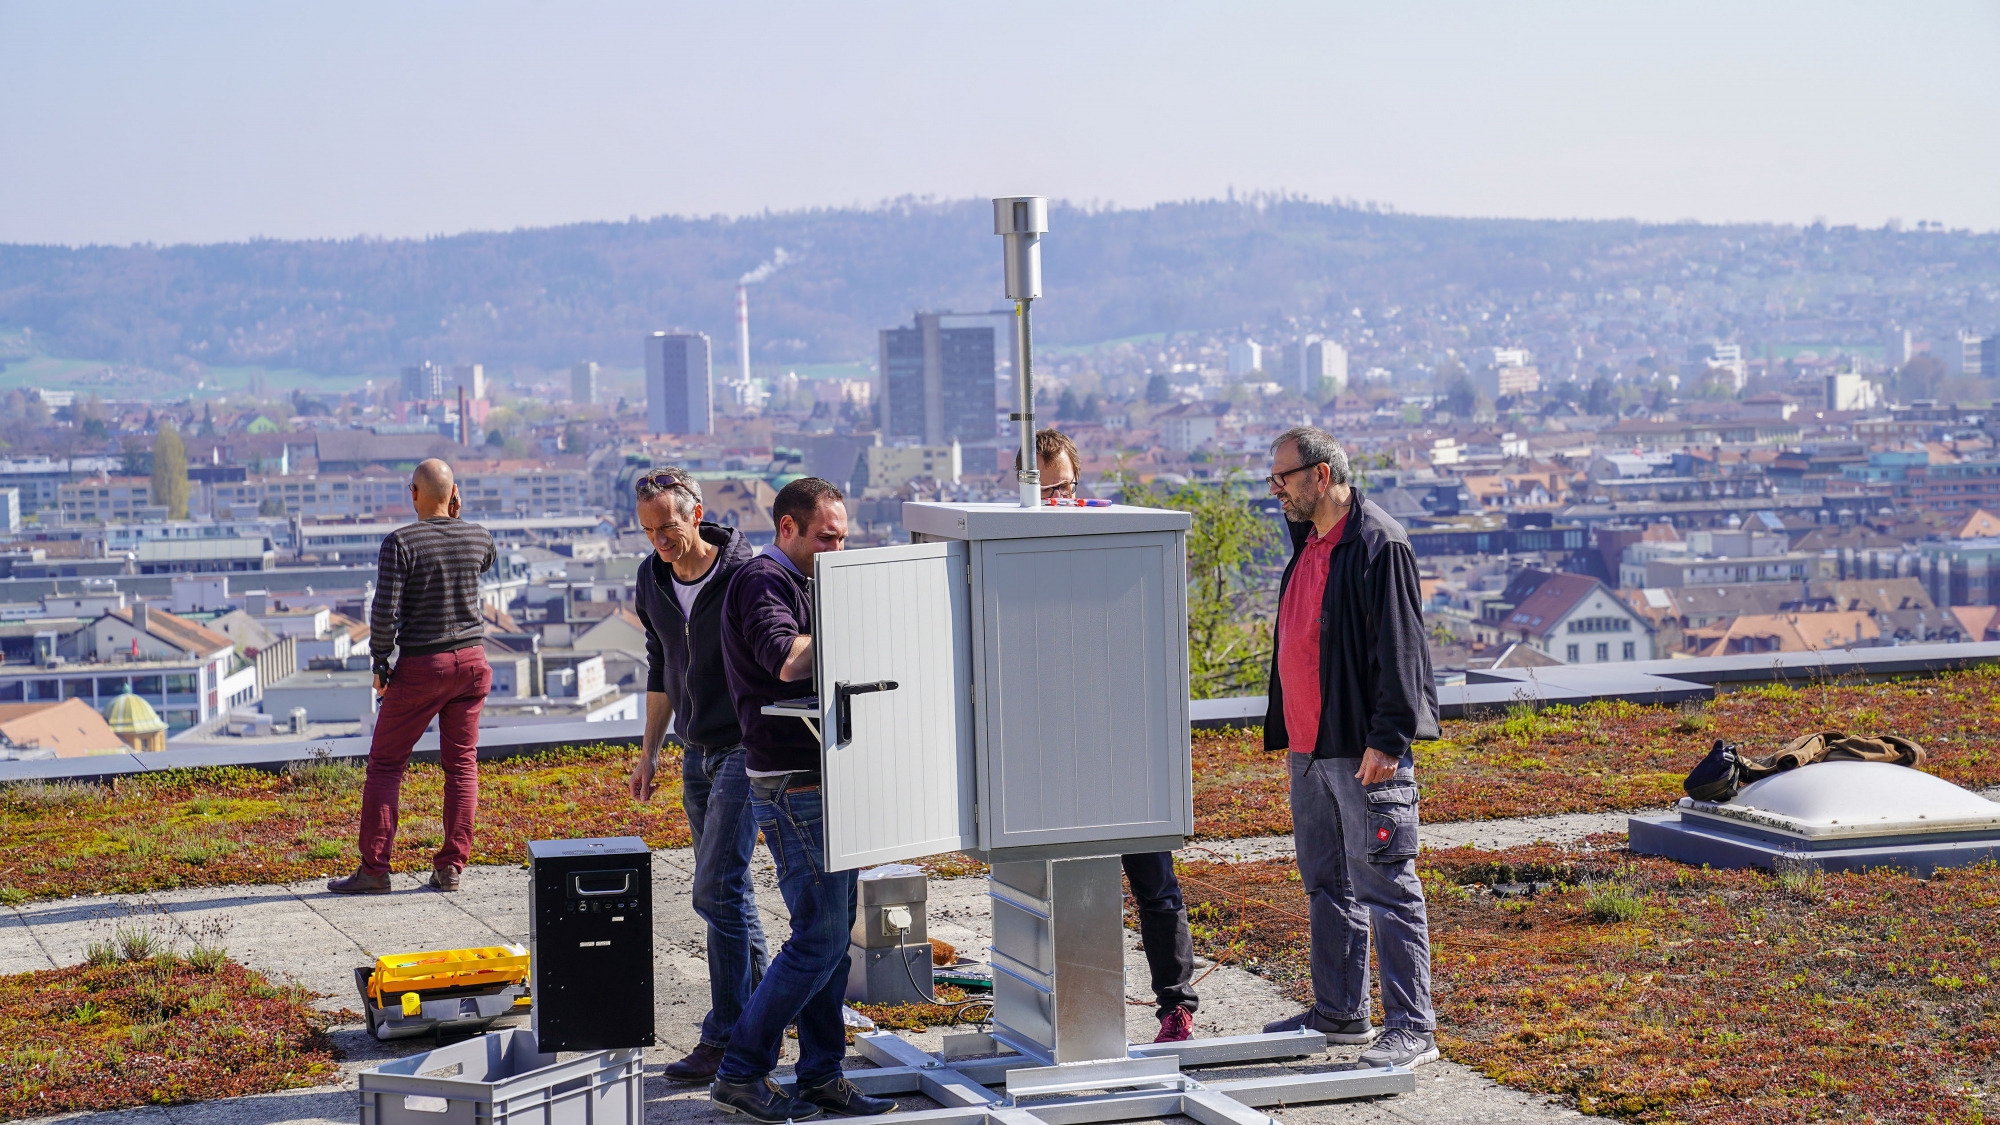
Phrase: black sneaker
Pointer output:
(1399, 1046)
(761, 1101)
(844, 1097)
(1348, 1033)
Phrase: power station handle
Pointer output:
(600, 879)
(842, 719)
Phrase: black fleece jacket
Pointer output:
(1375, 681)
(683, 655)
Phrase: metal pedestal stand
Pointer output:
(1059, 1010)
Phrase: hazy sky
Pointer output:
(194, 121)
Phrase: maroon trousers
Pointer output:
(450, 687)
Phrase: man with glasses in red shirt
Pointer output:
(1351, 689)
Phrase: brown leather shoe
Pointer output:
(360, 883)
(700, 1065)
(443, 879)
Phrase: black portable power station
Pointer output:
(590, 943)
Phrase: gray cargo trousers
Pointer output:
(1357, 855)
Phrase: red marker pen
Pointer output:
(1074, 502)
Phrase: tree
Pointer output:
(1157, 390)
(1229, 632)
(1066, 406)
(1597, 400)
(1922, 377)
(170, 471)
(90, 419)
(1456, 390)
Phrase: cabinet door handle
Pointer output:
(842, 713)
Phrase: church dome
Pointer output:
(130, 714)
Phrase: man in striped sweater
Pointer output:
(426, 605)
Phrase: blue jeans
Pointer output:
(808, 977)
(1357, 853)
(716, 796)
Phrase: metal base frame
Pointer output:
(1150, 1083)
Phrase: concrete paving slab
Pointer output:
(20, 951)
(303, 932)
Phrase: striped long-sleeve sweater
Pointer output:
(427, 589)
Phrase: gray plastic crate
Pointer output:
(502, 1078)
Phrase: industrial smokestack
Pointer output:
(743, 333)
(743, 284)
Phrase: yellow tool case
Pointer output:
(405, 994)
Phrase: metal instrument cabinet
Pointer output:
(1040, 706)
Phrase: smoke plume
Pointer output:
(763, 272)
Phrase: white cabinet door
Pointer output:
(900, 784)
(1084, 731)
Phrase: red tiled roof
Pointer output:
(178, 631)
(1556, 596)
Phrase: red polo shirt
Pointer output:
(1298, 638)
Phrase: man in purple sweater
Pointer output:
(767, 654)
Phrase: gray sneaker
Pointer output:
(1399, 1046)
(1347, 1033)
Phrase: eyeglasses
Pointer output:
(1277, 480)
(656, 481)
(1060, 488)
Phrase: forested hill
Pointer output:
(550, 296)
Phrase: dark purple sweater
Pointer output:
(768, 605)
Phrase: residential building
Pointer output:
(322, 495)
(885, 468)
(938, 383)
(523, 488)
(467, 377)
(1788, 567)
(106, 498)
(1957, 486)
(1961, 571)
(583, 383)
(181, 668)
(1508, 375)
(39, 478)
(1321, 360)
(1573, 618)
(1979, 356)
(1846, 390)
(1190, 425)
(202, 556)
(354, 451)
(680, 384)
(1785, 632)
(1245, 356)
(1717, 358)
(424, 382)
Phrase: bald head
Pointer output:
(432, 480)
(432, 492)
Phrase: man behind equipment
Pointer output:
(1163, 924)
(426, 605)
(768, 656)
(1351, 688)
(680, 595)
